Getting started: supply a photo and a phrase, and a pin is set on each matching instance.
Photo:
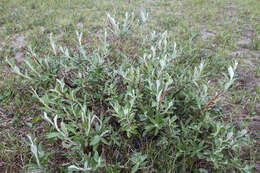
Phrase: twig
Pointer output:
(33, 56)
(211, 100)
(164, 93)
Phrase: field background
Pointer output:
(221, 29)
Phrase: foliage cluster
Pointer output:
(131, 104)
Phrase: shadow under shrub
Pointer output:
(132, 104)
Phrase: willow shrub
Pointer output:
(133, 103)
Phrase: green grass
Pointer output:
(209, 30)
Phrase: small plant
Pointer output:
(113, 111)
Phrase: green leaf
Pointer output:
(242, 132)
(29, 124)
(95, 140)
(174, 118)
(202, 170)
(71, 128)
(52, 135)
(135, 168)
(36, 118)
(229, 135)
(63, 128)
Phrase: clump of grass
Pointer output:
(131, 104)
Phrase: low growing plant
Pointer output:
(145, 108)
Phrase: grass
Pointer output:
(217, 31)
